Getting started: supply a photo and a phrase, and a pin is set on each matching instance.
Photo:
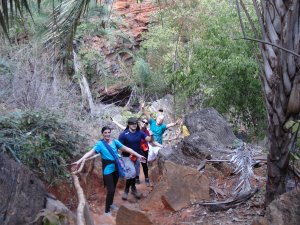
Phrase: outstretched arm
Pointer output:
(145, 112)
(155, 143)
(129, 150)
(118, 124)
(173, 124)
(83, 158)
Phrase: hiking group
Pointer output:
(134, 143)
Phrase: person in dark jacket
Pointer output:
(131, 137)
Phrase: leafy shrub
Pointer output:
(40, 141)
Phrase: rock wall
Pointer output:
(22, 194)
(284, 210)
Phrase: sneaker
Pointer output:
(108, 214)
(136, 194)
(137, 181)
(147, 182)
(113, 207)
(125, 196)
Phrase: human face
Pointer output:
(159, 120)
(144, 123)
(132, 126)
(106, 135)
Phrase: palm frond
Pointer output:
(64, 21)
(15, 7)
(243, 160)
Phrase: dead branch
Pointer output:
(268, 43)
(230, 203)
(218, 191)
(83, 162)
(295, 171)
(80, 209)
(83, 214)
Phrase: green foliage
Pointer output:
(141, 71)
(91, 61)
(195, 51)
(293, 126)
(5, 67)
(41, 142)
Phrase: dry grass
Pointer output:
(29, 81)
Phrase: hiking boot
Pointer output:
(136, 194)
(137, 181)
(125, 196)
(147, 182)
(113, 207)
(108, 214)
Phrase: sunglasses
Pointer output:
(145, 122)
(132, 123)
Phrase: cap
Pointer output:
(132, 120)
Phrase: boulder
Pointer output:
(175, 154)
(211, 136)
(57, 213)
(22, 194)
(284, 210)
(178, 187)
(127, 215)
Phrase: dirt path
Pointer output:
(192, 215)
(97, 205)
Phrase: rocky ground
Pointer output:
(193, 214)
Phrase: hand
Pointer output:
(75, 166)
(142, 159)
(150, 133)
(179, 121)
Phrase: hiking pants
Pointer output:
(145, 165)
(111, 181)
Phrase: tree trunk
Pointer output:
(84, 85)
(280, 27)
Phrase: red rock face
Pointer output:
(136, 15)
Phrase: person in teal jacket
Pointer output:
(157, 126)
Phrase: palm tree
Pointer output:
(65, 18)
(9, 10)
(278, 38)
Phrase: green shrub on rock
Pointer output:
(40, 141)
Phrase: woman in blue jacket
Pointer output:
(110, 174)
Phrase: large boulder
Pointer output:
(22, 194)
(211, 135)
(127, 215)
(178, 187)
(210, 138)
(175, 154)
(284, 210)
